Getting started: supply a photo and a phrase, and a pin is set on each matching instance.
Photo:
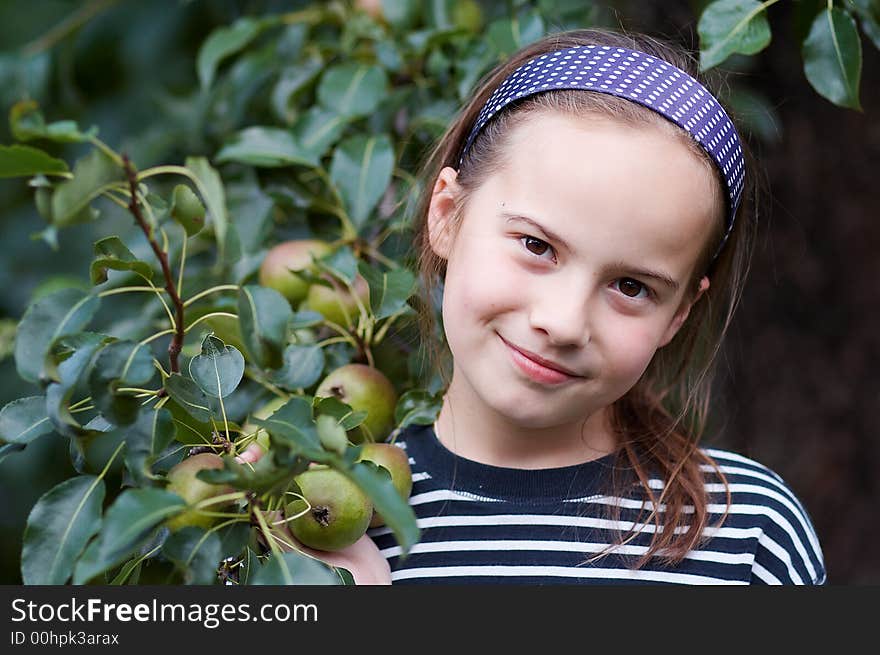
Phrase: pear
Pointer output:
(279, 267)
(396, 461)
(182, 480)
(367, 389)
(338, 511)
(336, 304)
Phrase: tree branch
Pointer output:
(176, 344)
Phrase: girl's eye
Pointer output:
(632, 288)
(536, 246)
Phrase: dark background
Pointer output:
(799, 382)
(798, 387)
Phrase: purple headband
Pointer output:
(640, 78)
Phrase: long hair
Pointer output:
(660, 421)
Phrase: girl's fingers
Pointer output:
(251, 454)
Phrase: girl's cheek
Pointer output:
(634, 346)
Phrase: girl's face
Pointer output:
(571, 266)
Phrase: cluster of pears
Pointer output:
(332, 512)
(281, 270)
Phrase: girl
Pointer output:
(587, 219)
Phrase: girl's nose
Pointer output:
(562, 315)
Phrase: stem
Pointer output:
(264, 383)
(379, 257)
(176, 344)
(327, 342)
(266, 531)
(348, 229)
(153, 337)
(216, 500)
(107, 150)
(182, 263)
(202, 294)
(151, 392)
(66, 26)
(113, 292)
(380, 334)
(202, 318)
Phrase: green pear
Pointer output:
(396, 461)
(336, 304)
(278, 269)
(338, 511)
(367, 389)
(182, 480)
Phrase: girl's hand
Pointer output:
(362, 559)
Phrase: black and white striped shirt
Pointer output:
(484, 524)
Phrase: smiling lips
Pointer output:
(537, 368)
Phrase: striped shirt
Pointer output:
(485, 524)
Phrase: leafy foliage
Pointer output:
(305, 123)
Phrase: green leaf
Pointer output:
(732, 26)
(186, 393)
(302, 367)
(196, 553)
(396, 511)
(111, 253)
(869, 18)
(210, 186)
(305, 318)
(23, 420)
(389, 290)
(26, 122)
(507, 35)
(65, 311)
(10, 449)
(341, 263)
(221, 43)
(266, 147)
(120, 365)
(16, 161)
(292, 80)
(318, 129)
(145, 440)
(79, 352)
(832, 55)
(264, 477)
(352, 89)
(58, 528)
(417, 406)
(92, 175)
(292, 425)
(264, 315)
(345, 575)
(292, 568)
(361, 169)
(127, 525)
(218, 368)
(340, 411)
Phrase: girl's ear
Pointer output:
(441, 211)
(682, 314)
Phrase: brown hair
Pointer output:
(660, 421)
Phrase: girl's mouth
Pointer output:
(539, 371)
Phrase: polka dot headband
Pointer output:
(640, 78)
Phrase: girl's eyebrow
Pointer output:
(636, 271)
(547, 233)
